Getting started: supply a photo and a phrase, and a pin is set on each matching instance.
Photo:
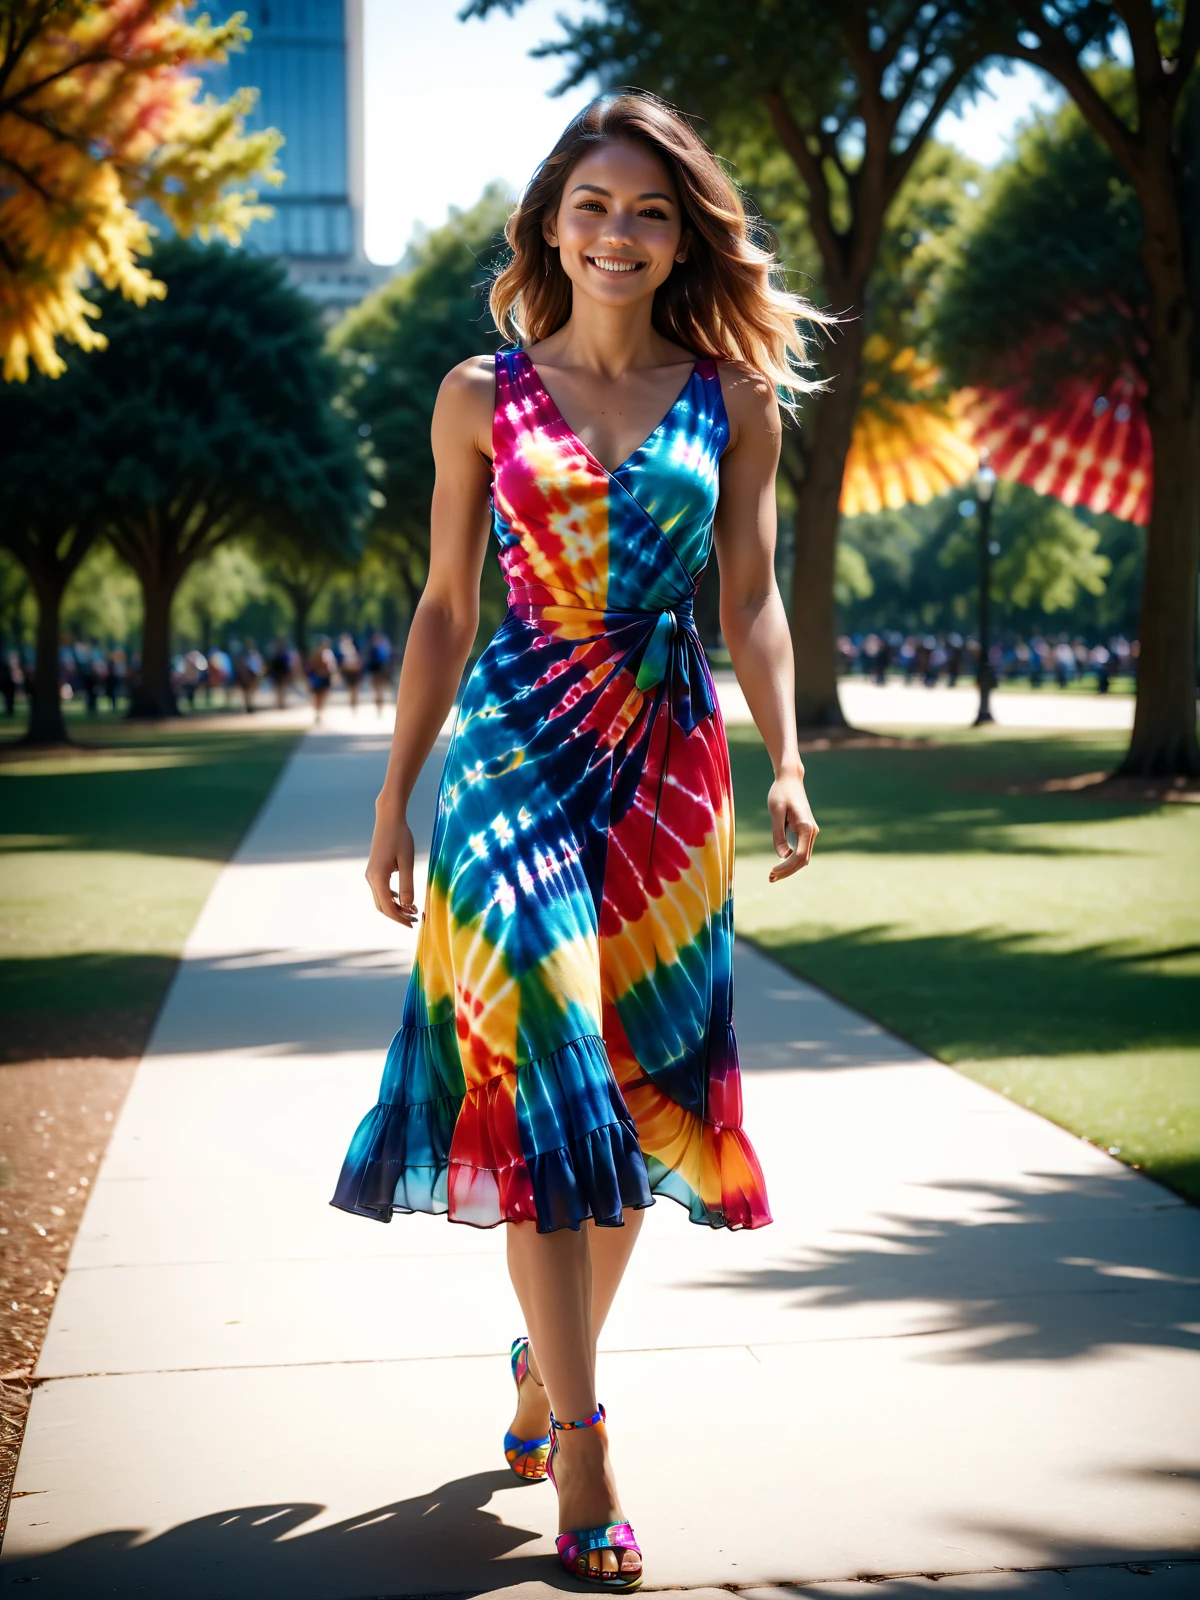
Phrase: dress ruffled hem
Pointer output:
(461, 1154)
(433, 1147)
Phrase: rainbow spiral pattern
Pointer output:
(566, 1047)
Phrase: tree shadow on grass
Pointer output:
(925, 802)
(1054, 1271)
(439, 1542)
(190, 797)
(990, 993)
(196, 797)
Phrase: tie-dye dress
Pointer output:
(566, 1046)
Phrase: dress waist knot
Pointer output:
(663, 651)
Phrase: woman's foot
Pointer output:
(587, 1494)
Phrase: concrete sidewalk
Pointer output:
(968, 1345)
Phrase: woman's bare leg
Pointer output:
(611, 1249)
(566, 1283)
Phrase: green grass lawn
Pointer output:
(1046, 945)
(106, 856)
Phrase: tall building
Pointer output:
(305, 60)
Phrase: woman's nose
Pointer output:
(620, 227)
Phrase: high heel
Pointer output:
(526, 1457)
(573, 1548)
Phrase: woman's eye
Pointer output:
(653, 211)
(589, 205)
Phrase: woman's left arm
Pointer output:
(753, 620)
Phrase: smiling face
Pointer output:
(619, 226)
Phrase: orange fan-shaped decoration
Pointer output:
(904, 452)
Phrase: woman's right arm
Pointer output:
(444, 625)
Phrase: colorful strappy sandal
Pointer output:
(575, 1547)
(526, 1457)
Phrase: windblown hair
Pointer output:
(727, 300)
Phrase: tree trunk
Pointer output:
(302, 603)
(153, 696)
(46, 725)
(814, 616)
(1164, 725)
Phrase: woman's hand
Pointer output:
(790, 810)
(392, 851)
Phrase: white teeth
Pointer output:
(612, 265)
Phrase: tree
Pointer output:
(1148, 120)
(217, 589)
(849, 91)
(14, 601)
(52, 475)
(212, 416)
(301, 574)
(395, 349)
(99, 115)
(103, 600)
(922, 571)
(1048, 556)
(1047, 281)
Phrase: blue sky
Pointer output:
(452, 105)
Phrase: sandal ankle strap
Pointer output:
(593, 1421)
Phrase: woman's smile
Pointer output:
(614, 263)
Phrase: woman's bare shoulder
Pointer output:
(751, 402)
(466, 400)
(471, 383)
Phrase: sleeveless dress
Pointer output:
(566, 1046)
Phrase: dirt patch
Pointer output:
(56, 1121)
(1102, 786)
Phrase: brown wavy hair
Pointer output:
(727, 300)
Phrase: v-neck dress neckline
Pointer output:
(587, 450)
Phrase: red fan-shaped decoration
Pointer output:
(1088, 448)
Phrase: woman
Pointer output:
(350, 666)
(379, 667)
(567, 1049)
(321, 666)
(280, 671)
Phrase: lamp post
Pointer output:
(985, 487)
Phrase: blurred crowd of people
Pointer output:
(238, 672)
(931, 658)
(220, 677)
(243, 669)
(86, 671)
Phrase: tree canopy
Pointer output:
(213, 414)
(919, 566)
(1047, 283)
(100, 114)
(395, 349)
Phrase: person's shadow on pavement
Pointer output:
(439, 1541)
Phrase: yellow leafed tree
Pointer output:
(101, 111)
